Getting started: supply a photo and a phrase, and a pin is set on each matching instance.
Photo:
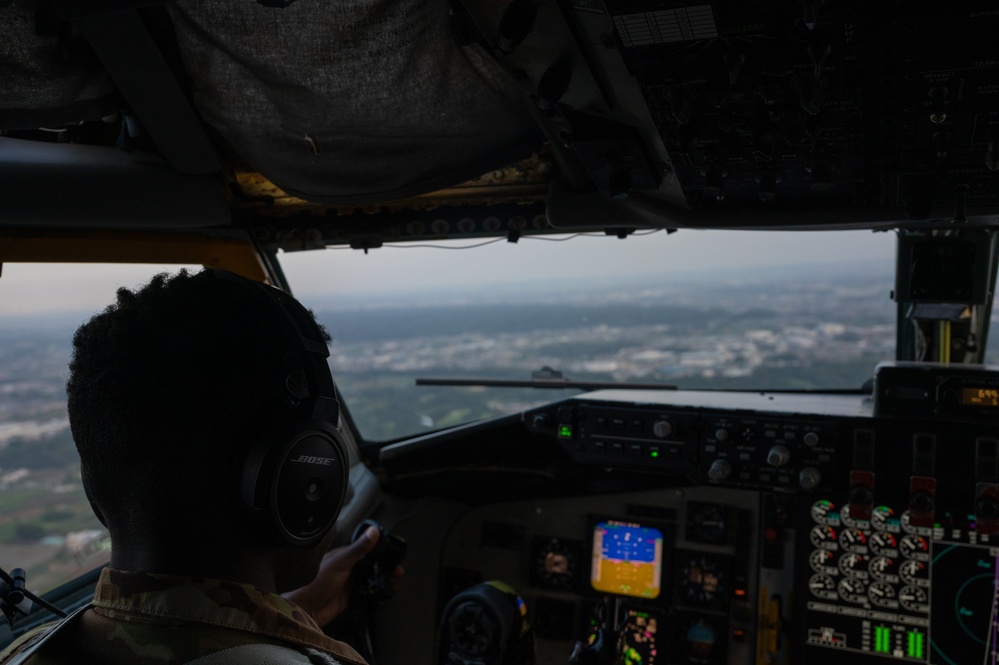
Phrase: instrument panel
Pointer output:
(704, 527)
(873, 532)
(883, 587)
(661, 576)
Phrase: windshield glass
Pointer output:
(695, 309)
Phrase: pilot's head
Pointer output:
(169, 389)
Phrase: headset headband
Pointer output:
(300, 331)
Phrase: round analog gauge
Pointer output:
(882, 594)
(883, 518)
(915, 573)
(880, 568)
(852, 590)
(822, 586)
(853, 564)
(914, 547)
(706, 523)
(882, 542)
(555, 564)
(914, 599)
(853, 540)
(850, 521)
(822, 562)
(823, 537)
(702, 580)
(824, 512)
(700, 642)
(908, 527)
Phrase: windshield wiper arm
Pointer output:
(546, 377)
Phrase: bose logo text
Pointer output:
(308, 459)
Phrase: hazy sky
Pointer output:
(420, 267)
(30, 289)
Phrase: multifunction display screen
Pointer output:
(627, 559)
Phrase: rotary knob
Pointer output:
(922, 501)
(809, 478)
(778, 456)
(987, 508)
(663, 428)
(720, 469)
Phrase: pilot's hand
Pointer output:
(329, 594)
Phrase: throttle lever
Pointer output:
(372, 578)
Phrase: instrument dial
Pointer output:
(824, 512)
(701, 642)
(881, 568)
(883, 518)
(914, 599)
(882, 594)
(555, 564)
(707, 523)
(852, 590)
(822, 586)
(853, 564)
(882, 542)
(914, 547)
(853, 540)
(823, 537)
(702, 580)
(822, 562)
(916, 573)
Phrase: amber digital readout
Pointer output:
(627, 559)
(988, 397)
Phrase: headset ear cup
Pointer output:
(293, 483)
(296, 489)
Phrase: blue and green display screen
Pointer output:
(627, 559)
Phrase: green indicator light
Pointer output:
(882, 639)
(565, 432)
(653, 453)
(915, 649)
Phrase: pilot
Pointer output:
(181, 393)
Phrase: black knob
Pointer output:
(539, 420)
(987, 508)
(861, 495)
(921, 502)
(720, 470)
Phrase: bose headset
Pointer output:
(294, 482)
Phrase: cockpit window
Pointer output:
(46, 524)
(695, 309)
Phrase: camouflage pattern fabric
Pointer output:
(167, 619)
